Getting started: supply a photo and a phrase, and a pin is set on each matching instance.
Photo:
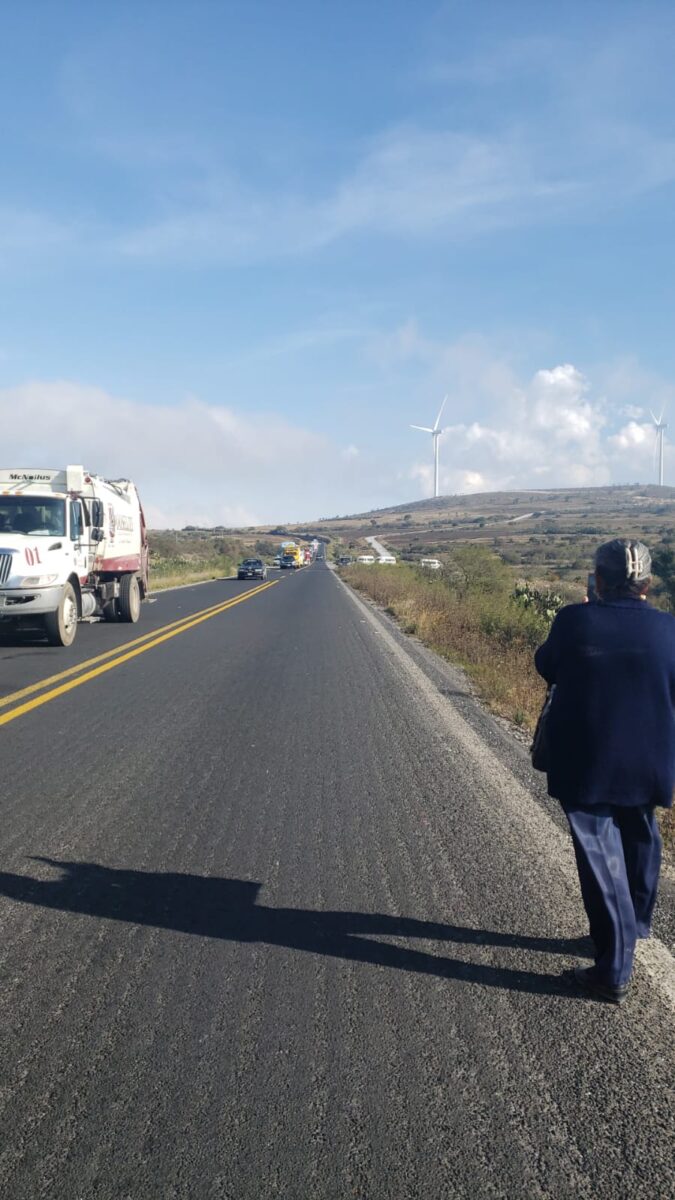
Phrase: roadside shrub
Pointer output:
(544, 601)
(469, 616)
(510, 625)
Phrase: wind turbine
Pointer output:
(660, 427)
(435, 436)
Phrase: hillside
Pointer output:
(550, 533)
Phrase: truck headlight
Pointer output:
(38, 580)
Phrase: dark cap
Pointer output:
(624, 561)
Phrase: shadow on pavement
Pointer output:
(22, 635)
(227, 909)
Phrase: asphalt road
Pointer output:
(284, 914)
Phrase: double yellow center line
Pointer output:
(93, 667)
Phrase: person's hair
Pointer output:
(624, 568)
(622, 589)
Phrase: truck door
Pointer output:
(94, 532)
(79, 539)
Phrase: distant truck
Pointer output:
(292, 556)
(72, 545)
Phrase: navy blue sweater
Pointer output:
(612, 723)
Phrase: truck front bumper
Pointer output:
(28, 602)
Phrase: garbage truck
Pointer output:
(72, 545)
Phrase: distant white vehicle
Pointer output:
(366, 558)
(433, 564)
(387, 559)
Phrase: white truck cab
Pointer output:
(72, 545)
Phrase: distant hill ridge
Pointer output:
(530, 497)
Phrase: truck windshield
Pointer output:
(34, 515)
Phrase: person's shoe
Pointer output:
(586, 978)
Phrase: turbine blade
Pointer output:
(653, 417)
(438, 418)
(423, 428)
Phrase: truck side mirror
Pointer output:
(97, 535)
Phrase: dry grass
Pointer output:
(160, 580)
(489, 636)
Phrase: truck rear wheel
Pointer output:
(129, 600)
(61, 625)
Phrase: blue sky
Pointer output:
(244, 245)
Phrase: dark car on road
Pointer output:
(252, 568)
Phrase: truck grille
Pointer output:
(5, 566)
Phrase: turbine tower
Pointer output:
(660, 427)
(436, 433)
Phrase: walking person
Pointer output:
(611, 737)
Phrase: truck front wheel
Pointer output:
(61, 625)
(129, 600)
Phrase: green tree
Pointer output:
(481, 571)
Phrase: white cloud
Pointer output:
(632, 411)
(560, 427)
(474, 481)
(631, 436)
(572, 137)
(199, 463)
(195, 463)
(554, 430)
(26, 232)
(500, 63)
(302, 341)
(574, 140)
(559, 404)
(408, 182)
(415, 182)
